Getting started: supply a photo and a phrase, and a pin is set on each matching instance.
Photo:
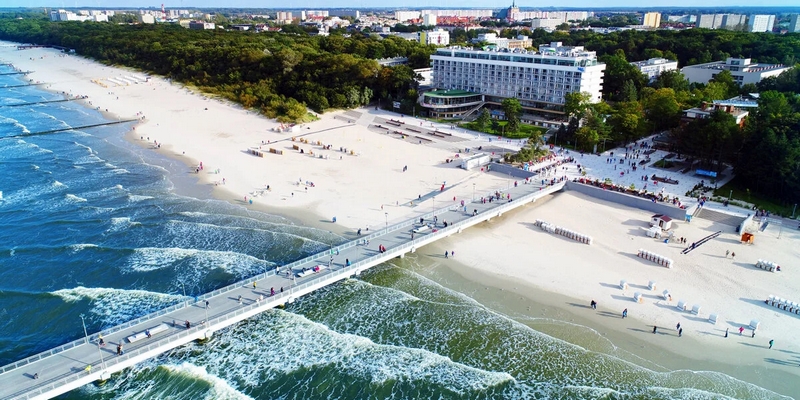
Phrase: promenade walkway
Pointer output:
(83, 361)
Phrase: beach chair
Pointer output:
(623, 284)
(754, 324)
(713, 318)
(651, 285)
(696, 309)
(637, 297)
(665, 294)
(681, 305)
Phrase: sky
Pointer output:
(390, 3)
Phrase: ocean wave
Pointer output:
(73, 198)
(153, 258)
(281, 343)
(15, 123)
(136, 197)
(115, 306)
(58, 184)
(220, 389)
(81, 246)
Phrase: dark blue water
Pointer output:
(90, 225)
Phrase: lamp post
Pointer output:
(433, 209)
(730, 196)
(85, 335)
(386, 218)
(473, 192)
(184, 294)
(206, 310)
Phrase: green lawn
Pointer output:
(525, 131)
(761, 201)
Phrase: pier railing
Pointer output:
(229, 317)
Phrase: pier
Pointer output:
(74, 128)
(83, 361)
(24, 85)
(37, 102)
(16, 73)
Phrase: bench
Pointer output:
(313, 270)
(414, 130)
(381, 127)
(276, 151)
(143, 335)
(422, 138)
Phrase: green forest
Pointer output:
(281, 74)
(276, 73)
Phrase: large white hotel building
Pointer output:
(468, 79)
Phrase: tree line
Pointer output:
(276, 73)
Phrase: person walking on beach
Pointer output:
(680, 332)
(678, 327)
(655, 329)
(741, 329)
(727, 253)
(594, 305)
(771, 342)
(726, 332)
(624, 313)
(733, 256)
(446, 254)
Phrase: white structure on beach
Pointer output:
(743, 70)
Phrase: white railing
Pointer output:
(221, 320)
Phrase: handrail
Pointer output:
(269, 302)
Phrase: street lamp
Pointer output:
(473, 192)
(85, 335)
(386, 217)
(184, 293)
(206, 310)
(730, 196)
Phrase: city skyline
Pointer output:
(398, 4)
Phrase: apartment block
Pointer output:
(538, 79)
(652, 19)
(760, 23)
(794, 23)
(439, 37)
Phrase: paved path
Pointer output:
(83, 361)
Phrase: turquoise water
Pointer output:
(92, 226)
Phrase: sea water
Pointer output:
(93, 230)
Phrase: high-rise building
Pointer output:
(794, 23)
(706, 21)
(538, 79)
(734, 21)
(546, 23)
(760, 23)
(403, 16)
(429, 19)
(652, 19)
(460, 13)
(284, 17)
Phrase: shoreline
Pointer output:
(193, 137)
(530, 301)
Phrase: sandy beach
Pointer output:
(519, 262)
(564, 275)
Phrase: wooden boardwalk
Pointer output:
(83, 361)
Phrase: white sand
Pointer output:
(734, 289)
(196, 129)
(354, 189)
